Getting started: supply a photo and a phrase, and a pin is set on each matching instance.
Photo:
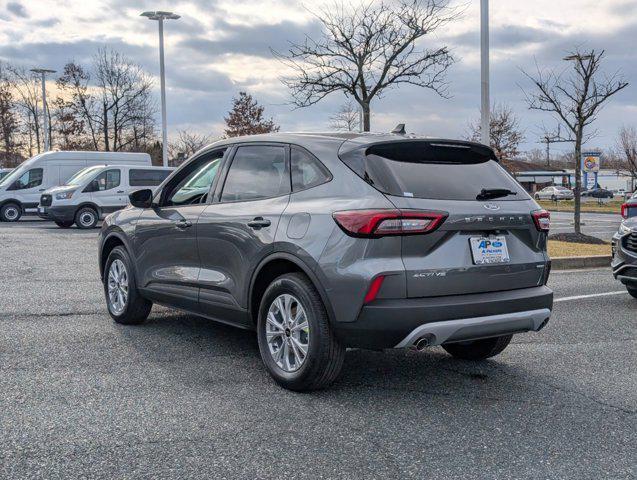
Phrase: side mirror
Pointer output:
(141, 198)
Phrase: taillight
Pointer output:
(378, 223)
(542, 220)
(626, 207)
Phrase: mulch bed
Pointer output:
(577, 238)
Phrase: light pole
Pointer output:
(160, 17)
(47, 136)
(484, 72)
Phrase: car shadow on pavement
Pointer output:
(187, 341)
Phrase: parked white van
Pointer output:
(20, 190)
(96, 191)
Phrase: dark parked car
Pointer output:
(325, 241)
(598, 193)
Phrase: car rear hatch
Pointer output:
(489, 240)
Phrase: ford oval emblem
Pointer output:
(491, 206)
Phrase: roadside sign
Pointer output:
(591, 162)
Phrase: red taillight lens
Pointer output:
(374, 288)
(542, 220)
(626, 207)
(378, 223)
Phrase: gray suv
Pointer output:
(321, 242)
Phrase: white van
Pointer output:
(96, 191)
(20, 190)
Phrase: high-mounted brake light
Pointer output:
(626, 207)
(378, 223)
(542, 220)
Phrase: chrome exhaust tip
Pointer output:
(422, 343)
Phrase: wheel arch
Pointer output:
(112, 240)
(91, 205)
(277, 264)
(12, 200)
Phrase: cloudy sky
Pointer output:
(219, 47)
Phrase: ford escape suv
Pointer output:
(321, 242)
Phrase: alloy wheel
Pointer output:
(117, 287)
(287, 332)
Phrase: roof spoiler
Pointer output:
(399, 129)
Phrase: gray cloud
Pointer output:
(17, 9)
(251, 40)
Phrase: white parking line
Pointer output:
(579, 297)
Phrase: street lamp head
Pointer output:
(42, 70)
(159, 15)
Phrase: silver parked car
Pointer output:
(554, 192)
(320, 242)
(624, 248)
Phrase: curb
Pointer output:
(568, 263)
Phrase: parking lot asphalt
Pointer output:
(600, 225)
(183, 397)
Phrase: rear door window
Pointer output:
(139, 177)
(257, 171)
(436, 171)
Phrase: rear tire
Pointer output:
(10, 212)
(478, 349)
(632, 291)
(67, 224)
(288, 366)
(86, 218)
(129, 308)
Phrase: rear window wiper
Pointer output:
(489, 193)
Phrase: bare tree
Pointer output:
(505, 134)
(79, 101)
(29, 104)
(365, 49)
(8, 119)
(575, 100)
(347, 118)
(124, 91)
(627, 147)
(246, 117)
(187, 143)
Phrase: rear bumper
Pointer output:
(397, 322)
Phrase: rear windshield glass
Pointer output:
(432, 171)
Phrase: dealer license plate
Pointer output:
(486, 250)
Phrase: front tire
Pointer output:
(478, 349)
(10, 212)
(125, 304)
(632, 291)
(296, 341)
(86, 218)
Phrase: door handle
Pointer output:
(120, 191)
(42, 189)
(183, 224)
(259, 222)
